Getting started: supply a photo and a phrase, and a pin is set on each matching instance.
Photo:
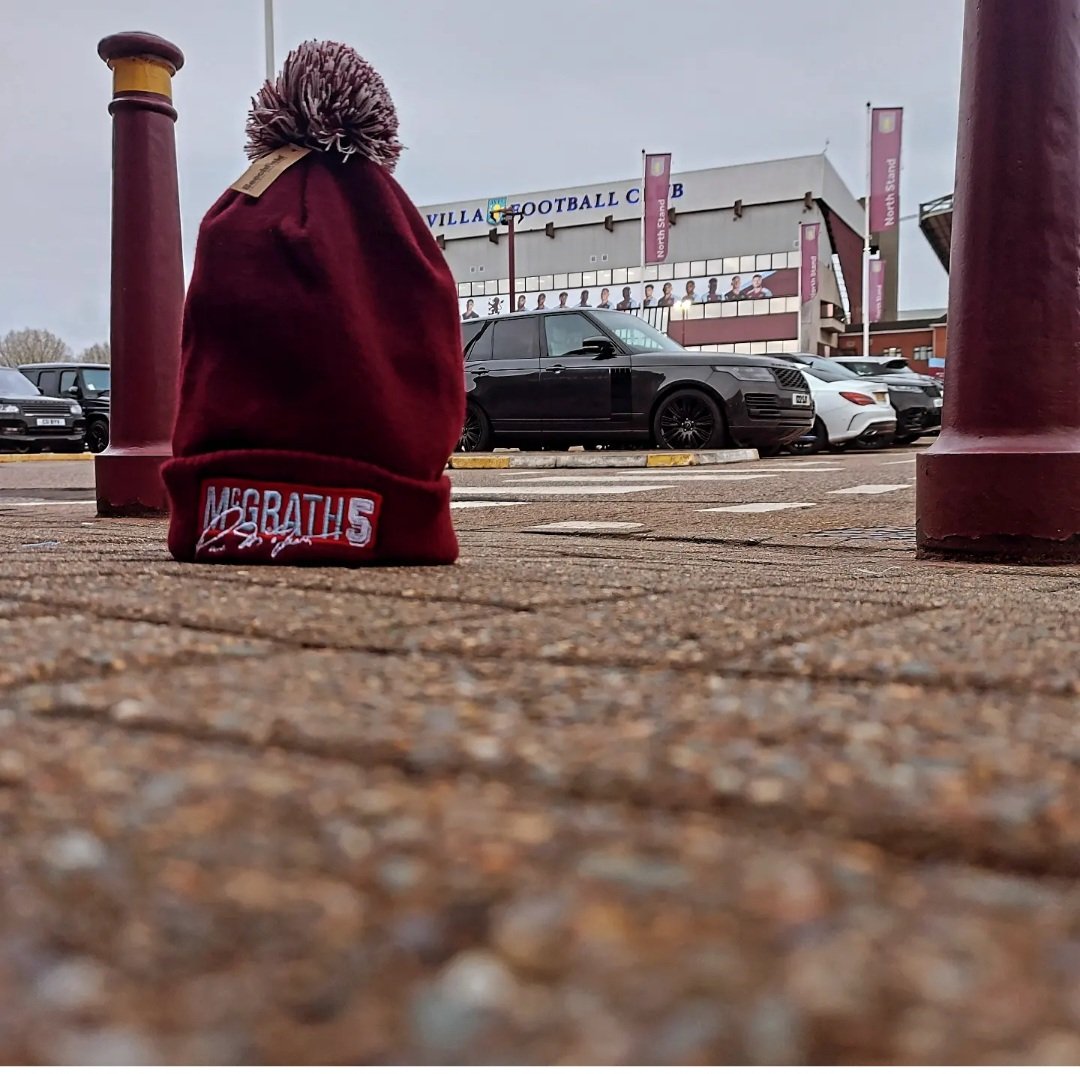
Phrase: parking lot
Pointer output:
(769, 500)
(827, 498)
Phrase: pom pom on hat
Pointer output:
(327, 98)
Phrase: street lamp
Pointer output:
(506, 214)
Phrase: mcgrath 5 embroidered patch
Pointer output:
(245, 521)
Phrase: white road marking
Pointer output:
(868, 490)
(901, 462)
(642, 476)
(795, 468)
(565, 490)
(588, 527)
(756, 508)
(47, 503)
(454, 504)
(809, 464)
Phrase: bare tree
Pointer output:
(97, 354)
(30, 345)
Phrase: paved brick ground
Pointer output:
(744, 794)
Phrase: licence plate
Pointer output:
(880, 396)
(938, 402)
(800, 399)
(51, 421)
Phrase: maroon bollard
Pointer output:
(1003, 480)
(147, 274)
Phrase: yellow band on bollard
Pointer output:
(137, 74)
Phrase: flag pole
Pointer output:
(641, 199)
(268, 24)
(866, 233)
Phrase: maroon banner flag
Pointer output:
(877, 291)
(809, 245)
(655, 207)
(886, 126)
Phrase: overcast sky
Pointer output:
(492, 97)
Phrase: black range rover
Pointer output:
(598, 377)
(30, 421)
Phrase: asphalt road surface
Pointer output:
(867, 495)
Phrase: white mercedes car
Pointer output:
(848, 409)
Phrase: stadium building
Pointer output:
(731, 281)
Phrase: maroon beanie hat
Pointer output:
(321, 379)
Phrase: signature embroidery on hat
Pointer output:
(264, 520)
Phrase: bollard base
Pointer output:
(129, 481)
(999, 506)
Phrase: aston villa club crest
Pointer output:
(811, 234)
(495, 208)
(887, 122)
(657, 166)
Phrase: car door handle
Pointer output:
(479, 372)
(557, 368)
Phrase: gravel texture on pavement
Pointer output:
(708, 794)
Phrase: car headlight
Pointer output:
(745, 372)
(905, 388)
(8, 408)
(75, 408)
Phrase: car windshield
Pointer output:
(828, 371)
(638, 335)
(868, 369)
(14, 385)
(97, 380)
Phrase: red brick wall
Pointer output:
(766, 326)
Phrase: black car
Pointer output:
(30, 421)
(89, 385)
(916, 398)
(598, 377)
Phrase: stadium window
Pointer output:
(923, 354)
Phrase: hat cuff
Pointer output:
(409, 524)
